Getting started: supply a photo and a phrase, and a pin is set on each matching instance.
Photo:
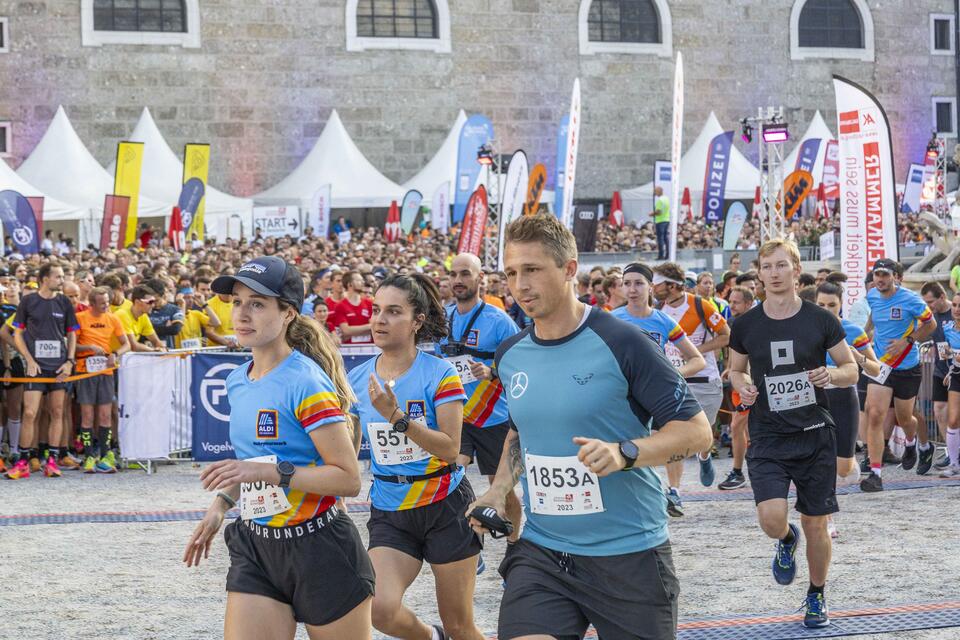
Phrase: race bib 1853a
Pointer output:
(562, 486)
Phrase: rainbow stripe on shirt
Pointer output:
(676, 333)
(318, 407)
(482, 403)
(449, 387)
(894, 361)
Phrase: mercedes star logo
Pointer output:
(518, 384)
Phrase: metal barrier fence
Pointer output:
(925, 397)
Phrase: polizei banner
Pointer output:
(868, 218)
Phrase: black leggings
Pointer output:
(845, 409)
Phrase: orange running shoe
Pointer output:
(67, 461)
(35, 465)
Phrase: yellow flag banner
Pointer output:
(126, 182)
(196, 164)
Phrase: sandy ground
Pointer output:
(126, 581)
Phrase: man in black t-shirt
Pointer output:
(792, 435)
(46, 337)
(936, 299)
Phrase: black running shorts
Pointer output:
(938, 392)
(628, 597)
(954, 383)
(846, 415)
(438, 533)
(45, 387)
(319, 568)
(904, 382)
(17, 370)
(808, 459)
(485, 445)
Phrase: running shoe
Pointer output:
(3, 467)
(50, 468)
(89, 464)
(871, 484)
(67, 461)
(481, 565)
(832, 528)
(734, 481)
(674, 504)
(784, 562)
(909, 458)
(942, 462)
(951, 472)
(439, 632)
(816, 615)
(925, 460)
(888, 457)
(35, 465)
(111, 459)
(19, 471)
(865, 464)
(78, 445)
(707, 474)
(105, 466)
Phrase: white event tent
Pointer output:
(817, 129)
(61, 166)
(162, 179)
(53, 209)
(742, 177)
(334, 160)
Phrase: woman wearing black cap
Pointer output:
(294, 555)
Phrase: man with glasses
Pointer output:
(136, 320)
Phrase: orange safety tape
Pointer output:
(81, 376)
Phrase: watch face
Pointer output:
(629, 450)
(401, 425)
(286, 468)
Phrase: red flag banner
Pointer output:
(756, 205)
(474, 223)
(831, 170)
(176, 230)
(796, 188)
(114, 228)
(616, 211)
(686, 209)
(391, 230)
(822, 211)
(535, 184)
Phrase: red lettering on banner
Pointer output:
(874, 202)
(850, 122)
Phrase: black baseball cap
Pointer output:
(886, 264)
(268, 276)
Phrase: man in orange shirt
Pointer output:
(98, 329)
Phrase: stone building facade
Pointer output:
(258, 79)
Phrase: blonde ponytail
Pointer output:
(310, 339)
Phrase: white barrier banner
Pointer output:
(868, 219)
(147, 399)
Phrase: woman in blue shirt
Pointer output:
(410, 406)
(295, 556)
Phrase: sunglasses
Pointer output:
(150, 301)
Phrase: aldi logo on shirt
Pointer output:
(268, 424)
(416, 409)
(473, 338)
(896, 313)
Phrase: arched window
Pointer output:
(625, 26)
(159, 22)
(831, 29)
(398, 24)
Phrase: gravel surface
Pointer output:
(125, 580)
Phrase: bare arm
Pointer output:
(867, 360)
(675, 441)
(693, 360)
(925, 330)
(138, 347)
(846, 372)
(740, 379)
(719, 341)
(358, 330)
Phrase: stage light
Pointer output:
(775, 133)
(485, 155)
(746, 131)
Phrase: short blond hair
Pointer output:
(770, 247)
(546, 229)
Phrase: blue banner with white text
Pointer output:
(19, 222)
(476, 132)
(715, 176)
(808, 155)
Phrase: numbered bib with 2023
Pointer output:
(562, 486)
(262, 500)
(790, 391)
(389, 447)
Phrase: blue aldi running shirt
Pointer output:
(485, 406)
(275, 415)
(659, 325)
(429, 383)
(856, 338)
(897, 317)
(606, 380)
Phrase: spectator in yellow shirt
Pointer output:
(198, 323)
(136, 320)
(222, 307)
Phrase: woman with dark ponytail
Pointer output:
(295, 555)
(844, 403)
(410, 406)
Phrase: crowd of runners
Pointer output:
(578, 386)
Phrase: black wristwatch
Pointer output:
(630, 452)
(911, 339)
(286, 470)
(402, 423)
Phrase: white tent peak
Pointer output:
(162, 174)
(62, 166)
(442, 167)
(334, 159)
(53, 209)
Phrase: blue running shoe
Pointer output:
(707, 474)
(481, 565)
(674, 504)
(816, 615)
(784, 563)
